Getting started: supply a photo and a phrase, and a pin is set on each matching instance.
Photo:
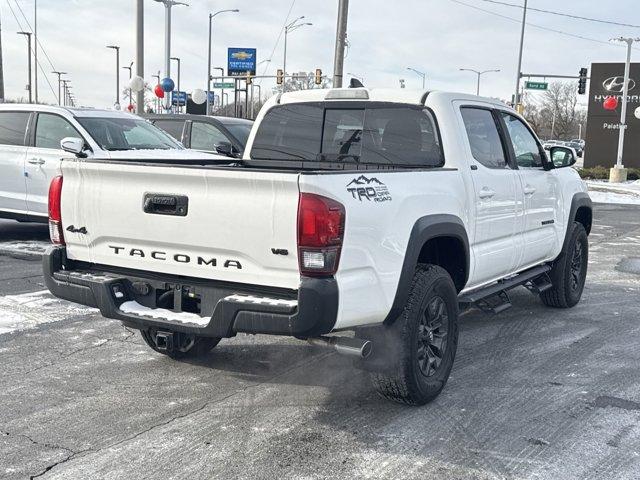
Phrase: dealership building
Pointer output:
(607, 80)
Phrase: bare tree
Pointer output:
(557, 113)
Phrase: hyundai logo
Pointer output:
(616, 84)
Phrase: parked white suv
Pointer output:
(31, 150)
(383, 212)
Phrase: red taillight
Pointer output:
(320, 234)
(55, 214)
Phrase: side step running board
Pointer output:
(494, 297)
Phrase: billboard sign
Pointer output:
(241, 61)
(603, 126)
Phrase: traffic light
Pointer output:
(318, 76)
(280, 77)
(582, 81)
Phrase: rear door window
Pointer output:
(172, 127)
(205, 136)
(13, 127)
(484, 139)
(388, 134)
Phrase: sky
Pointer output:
(385, 38)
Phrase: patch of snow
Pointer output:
(29, 247)
(28, 310)
(160, 313)
(623, 193)
(611, 197)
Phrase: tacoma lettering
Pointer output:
(178, 257)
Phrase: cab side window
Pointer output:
(51, 129)
(484, 138)
(525, 146)
(172, 127)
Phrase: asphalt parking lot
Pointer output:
(534, 393)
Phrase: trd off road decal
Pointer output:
(371, 189)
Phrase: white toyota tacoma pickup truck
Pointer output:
(382, 212)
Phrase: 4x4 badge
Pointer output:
(370, 189)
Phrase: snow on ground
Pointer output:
(28, 310)
(24, 247)
(602, 191)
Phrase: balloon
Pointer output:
(158, 91)
(637, 112)
(136, 83)
(610, 103)
(199, 96)
(130, 107)
(167, 84)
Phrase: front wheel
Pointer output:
(569, 271)
(421, 345)
(185, 346)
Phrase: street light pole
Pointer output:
(516, 97)
(117, 49)
(130, 68)
(178, 84)
(222, 89)
(140, 53)
(167, 43)
(479, 74)
(29, 86)
(59, 74)
(618, 173)
(211, 15)
(35, 50)
(290, 28)
(157, 77)
(422, 74)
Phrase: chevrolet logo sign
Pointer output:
(242, 55)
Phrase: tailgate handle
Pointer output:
(163, 204)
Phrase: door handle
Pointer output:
(36, 161)
(486, 193)
(529, 190)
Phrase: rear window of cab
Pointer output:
(362, 133)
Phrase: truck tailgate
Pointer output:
(224, 224)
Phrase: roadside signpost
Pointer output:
(223, 85)
(178, 99)
(241, 61)
(536, 85)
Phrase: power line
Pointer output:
(38, 65)
(536, 26)
(275, 46)
(559, 14)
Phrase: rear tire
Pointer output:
(569, 271)
(191, 346)
(418, 350)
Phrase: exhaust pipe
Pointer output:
(354, 347)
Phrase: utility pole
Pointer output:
(211, 15)
(167, 43)
(117, 49)
(65, 92)
(140, 52)
(157, 77)
(341, 42)
(35, 50)
(59, 74)
(29, 86)
(178, 84)
(516, 97)
(618, 173)
(1, 68)
(222, 79)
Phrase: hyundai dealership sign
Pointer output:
(603, 126)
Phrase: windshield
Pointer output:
(370, 133)
(240, 131)
(127, 134)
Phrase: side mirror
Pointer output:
(73, 145)
(225, 148)
(562, 157)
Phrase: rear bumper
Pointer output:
(229, 308)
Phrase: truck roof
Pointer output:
(394, 95)
(75, 111)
